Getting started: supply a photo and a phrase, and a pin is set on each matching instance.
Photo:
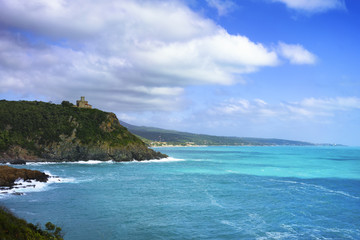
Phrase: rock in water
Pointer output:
(8, 175)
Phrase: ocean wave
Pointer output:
(90, 162)
(277, 235)
(318, 187)
(236, 226)
(22, 187)
(42, 163)
(213, 201)
(57, 179)
(162, 160)
(94, 162)
(316, 232)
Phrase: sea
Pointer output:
(215, 192)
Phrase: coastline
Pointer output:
(315, 145)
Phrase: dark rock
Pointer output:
(17, 193)
(17, 162)
(8, 175)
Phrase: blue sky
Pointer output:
(253, 68)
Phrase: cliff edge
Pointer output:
(38, 131)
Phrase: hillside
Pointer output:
(39, 131)
(158, 136)
(14, 228)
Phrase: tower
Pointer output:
(82, 103)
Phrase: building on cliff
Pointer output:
(82, 103)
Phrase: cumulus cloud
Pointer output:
(296, 53)
(123, 55)
(211, 59)
(313, 5)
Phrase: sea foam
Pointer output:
(22, 187)
(89, 162)
(162, 160)
(318, 188)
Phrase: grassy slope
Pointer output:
(14, 228)
(26, 123)
(35, 126)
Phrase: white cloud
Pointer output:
(122, 19)
(296, 53)
(223, 7)
(211, 59)
(313, 5)
(332, 104)
(125, 55)
(307, 109)
(239, 108)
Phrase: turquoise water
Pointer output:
(203, 193)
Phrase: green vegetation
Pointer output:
(45, 123)
(39, 130)
(158, 136)
(13, 228)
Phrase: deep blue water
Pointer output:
(204, 193)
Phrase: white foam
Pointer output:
(162, 160)
(318, 187)
(22, 187)
(90, 162)
(213, 200)
(57, 179)
(40, 163)
(94, 162)
(237, 227)
(280, 235)
(315, 232)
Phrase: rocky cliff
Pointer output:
(38, 131)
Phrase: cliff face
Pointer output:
(38, 131)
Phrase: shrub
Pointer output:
(13, 228)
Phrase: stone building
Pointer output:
(82, 103)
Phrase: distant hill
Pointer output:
(39, 131)
(158, 136)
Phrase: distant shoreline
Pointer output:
(315, 145)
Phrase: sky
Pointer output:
(249, 68)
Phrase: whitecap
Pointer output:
(213, 201)
(94, 162)
(168, 159)
(90, 162)
(57, 179)
(280, 235)
(41, 163)
(237, 227)
(22, 187)
(318, 187)
(334, 191)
